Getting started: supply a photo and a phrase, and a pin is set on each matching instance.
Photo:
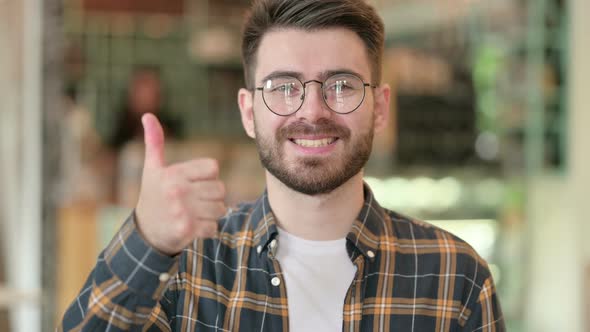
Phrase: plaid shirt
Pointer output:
(411, 276)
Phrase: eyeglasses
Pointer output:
(342, 93)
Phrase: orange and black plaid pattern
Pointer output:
(411, 276)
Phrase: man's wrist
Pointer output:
(136, 263)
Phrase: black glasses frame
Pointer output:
(304, 84)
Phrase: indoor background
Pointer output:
(488, 135)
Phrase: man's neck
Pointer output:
(320, 218)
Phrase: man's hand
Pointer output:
(178, 202)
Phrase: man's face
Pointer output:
(314, 150)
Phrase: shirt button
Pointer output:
(275, 281)
(371, 254)
(164, 277)
(259, 249)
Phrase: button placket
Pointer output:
(272, 248)
(272, 253)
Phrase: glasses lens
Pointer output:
(344, 93)
(283, 95)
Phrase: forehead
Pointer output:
(311, 53)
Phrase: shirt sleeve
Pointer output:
(486, 314)
(124, 290)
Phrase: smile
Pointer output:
(314, 143)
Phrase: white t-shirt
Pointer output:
(317, 276)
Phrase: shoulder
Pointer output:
(448, 270)
(418, 231)
(437, 248)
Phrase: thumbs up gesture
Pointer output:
(179, 202)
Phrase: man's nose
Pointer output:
(314, 107)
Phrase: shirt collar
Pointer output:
(369, 226)
(264, 223)
(364, 235)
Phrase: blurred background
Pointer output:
(488, 136)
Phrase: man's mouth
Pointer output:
(314, 143)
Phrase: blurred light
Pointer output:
(479, 233)
(214, 45)
(489, 192)
(422, 193)
(487, 146)
(449, 192)
(379, 190)
(158, 26)
(397, 189)
(122, 25)
(495, 271)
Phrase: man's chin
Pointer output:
(309, 175)
(308, 179)
(311, 189)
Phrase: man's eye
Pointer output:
(338, 87)
(287, 88)
(283, 88)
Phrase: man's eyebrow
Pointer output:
(324, 75)
(321, 76)
(278, 73)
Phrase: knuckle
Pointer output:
(212, 213)
(179, 212)
(221, 189)
(211, 166)
(221, 209)
(185, 229)
(216, 190)
(207, 230)
(175, 191)
(211, 210)
(170, 172)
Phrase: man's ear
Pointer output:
(246, 103)
(382, 106)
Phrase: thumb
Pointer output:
(153, 136)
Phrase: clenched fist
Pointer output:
(178, 202)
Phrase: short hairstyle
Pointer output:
(310, 15)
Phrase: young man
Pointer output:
(316, 252)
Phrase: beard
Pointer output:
(314, 175)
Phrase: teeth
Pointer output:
(314, 143)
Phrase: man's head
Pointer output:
(145, 91)
(316, 147)
(311, 15)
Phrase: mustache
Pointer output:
(321, 127)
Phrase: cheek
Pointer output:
(265, 122)
(359, 121)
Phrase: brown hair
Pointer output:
(309, 15)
